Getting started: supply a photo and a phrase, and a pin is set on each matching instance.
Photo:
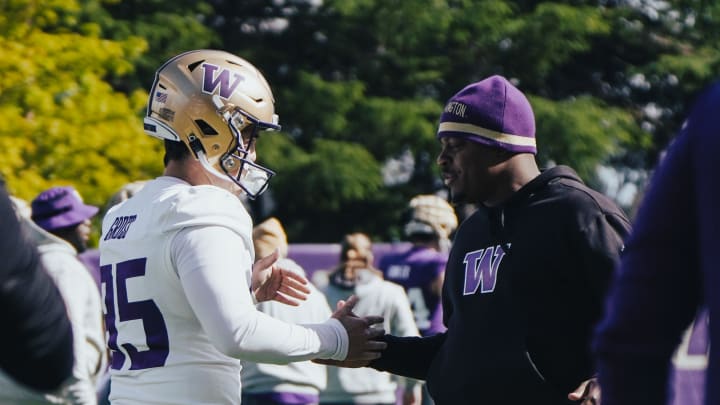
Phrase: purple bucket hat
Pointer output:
(492, 112)
(60, 207)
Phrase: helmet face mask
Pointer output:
(252, 178)
(216, 104)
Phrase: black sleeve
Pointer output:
(408, 356)
(36, 342)
(601, 250)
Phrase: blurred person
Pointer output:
(668, 276)
(60, 226)
(421, 268)
(126, 191)
(527, 273)
(294, 383)
(91, 257)
(177, 263)
(36, 346)
(62, 212)
(355, 275)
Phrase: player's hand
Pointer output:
(271, 282)
(588, 393)
(363, 348)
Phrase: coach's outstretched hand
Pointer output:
(363, 348)
(272, 282)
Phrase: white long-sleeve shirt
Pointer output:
(176, 263)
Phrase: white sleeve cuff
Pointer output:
(334, 341)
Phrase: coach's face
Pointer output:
(470, 170)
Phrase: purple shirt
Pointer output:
(689, 365)
(91, 259)
(416, 270)
(669, 269)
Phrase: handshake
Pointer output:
(270, 281)
(364, 345)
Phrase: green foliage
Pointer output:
(63, 122)
(168, 27)
(344, 171)
(584, 133)
(387, 127)
(320, 107)
(357, 84)
(552, 34)
(320, 191)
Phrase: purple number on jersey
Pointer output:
(146, 311)
(106, 280)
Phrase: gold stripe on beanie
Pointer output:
(486, 133)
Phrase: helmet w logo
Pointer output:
(226, 79)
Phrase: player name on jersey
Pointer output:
(120, 227)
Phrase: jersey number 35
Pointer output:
(156, 348)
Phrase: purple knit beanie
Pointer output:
(492, 112)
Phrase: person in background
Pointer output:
(177, 263)
(36, 345)
(91, 257)
(355, 275)
(421, 269)
(668, 277)
(125, 192)
(60, 226)
(527, 273)
(296, 383)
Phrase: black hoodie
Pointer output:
(524, 286)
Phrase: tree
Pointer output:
(63, 122)
(168, 27)
(609, 80)
(359, 86)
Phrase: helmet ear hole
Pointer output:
(206, 128)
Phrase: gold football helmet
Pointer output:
(430, 214)
(216, 103)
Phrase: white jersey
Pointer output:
(175, 264)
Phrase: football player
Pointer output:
(668, 276)
(176, 260)
(421, 268)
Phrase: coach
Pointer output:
(527, 273)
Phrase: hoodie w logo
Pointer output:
(227, 80)
(481, 269)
